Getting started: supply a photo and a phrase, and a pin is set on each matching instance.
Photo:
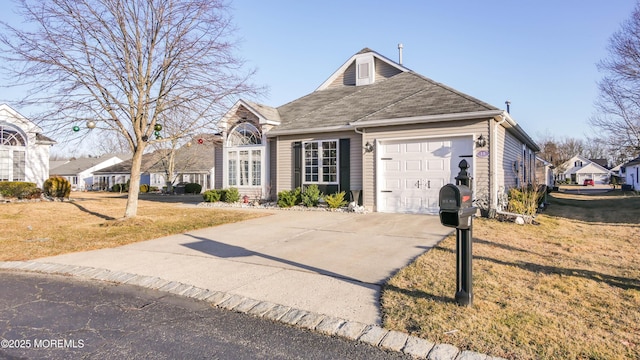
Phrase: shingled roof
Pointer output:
(404, 95)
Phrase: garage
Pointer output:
(411, 172)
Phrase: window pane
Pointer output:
(233, 168)
(256, 166)
(244, 168)
(5, 165)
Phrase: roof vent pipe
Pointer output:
(508, 106)
(400, 53)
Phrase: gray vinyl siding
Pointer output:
(273, 166)
(217, 181)
(433, 130)
(284, 166)
(512, 154)
(384, 70)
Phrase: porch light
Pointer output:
(368, 147)
(481, 141)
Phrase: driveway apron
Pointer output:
(330, 263)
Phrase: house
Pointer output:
(544, 172)
(194, 163)
(375, 127)
(80, 171)
(631, 173)
(578, 168)
(24, 150)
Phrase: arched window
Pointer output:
(244, 134)
(12, 154)
(244, 165)
(11, 137)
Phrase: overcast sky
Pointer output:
(541, 55)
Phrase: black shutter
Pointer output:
(345, 168)
(297, 164)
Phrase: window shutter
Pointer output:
(297, 164)
(345, 167)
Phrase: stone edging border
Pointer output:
(328, 325)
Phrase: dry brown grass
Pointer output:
(94, 221)
(568, 288)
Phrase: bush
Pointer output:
(144, 188)
(153, 188)
(232, 195)
(57, 187)
(212, 195)
(289, 198)
(192, 188)
(524, 201)
(311, 196)
(19, 189)
(336, 200)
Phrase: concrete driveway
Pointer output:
(322, 262)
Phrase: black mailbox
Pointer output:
(456, 207)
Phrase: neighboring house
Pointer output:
(631, 173)
(80, 171)
(578, 169)
(24, 150)
(194, 163)
(544, 172)
(376, 127)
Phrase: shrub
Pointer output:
(311, 196)
(336, 200)
(524, 200)
(144, 188)
(289, 198)
(19, 189)
(212, 195)
(192, 188)
(153, 188)
(232, 195)
(57, 187)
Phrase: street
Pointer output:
(56, 317)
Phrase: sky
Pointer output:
(540, 55)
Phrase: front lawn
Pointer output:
(568, 288)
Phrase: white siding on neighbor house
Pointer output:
(37, 162)
(284, 150)
(632, 176)
(473, 128)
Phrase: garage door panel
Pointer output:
(392, 184)
(413, 165)
(435, 164)
(391, 165)
(413, 148)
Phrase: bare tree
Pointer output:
(618, 107)
(125, 64)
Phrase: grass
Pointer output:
(93, 221)
(568, 288)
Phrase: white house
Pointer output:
(632, 173)
(24, 150)
(80, 171)
(578, 169)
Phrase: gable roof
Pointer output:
(633, 162)
(404, 95)
(76, 166)
(570, 168)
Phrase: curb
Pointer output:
(328, 325)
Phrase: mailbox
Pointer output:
(456, 207)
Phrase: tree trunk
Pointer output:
(134, 183)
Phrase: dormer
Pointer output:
(364, 68)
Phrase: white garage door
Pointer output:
(413, 171)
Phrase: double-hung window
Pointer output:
(321, 162)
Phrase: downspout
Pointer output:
(494, 164)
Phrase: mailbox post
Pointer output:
(457, 210)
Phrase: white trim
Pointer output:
(428, 118)
(276, 132)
